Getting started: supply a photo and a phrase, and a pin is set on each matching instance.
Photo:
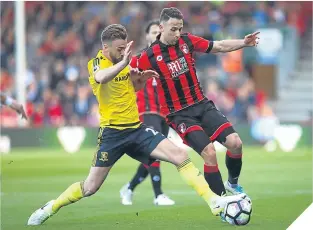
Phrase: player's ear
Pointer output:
(105, 46)
(161, 26)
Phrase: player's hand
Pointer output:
(128, 53)
(149, 74)
(252, 39)
(135, 74)
(20, 110)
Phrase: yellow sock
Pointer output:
(70, 195)
(195, 179)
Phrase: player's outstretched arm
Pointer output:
(6, 100)
(232, 45)
(103, 76)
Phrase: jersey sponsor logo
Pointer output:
(182, 128)
(122, 78)
(184, 48)
(178, 67)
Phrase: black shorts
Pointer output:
(156, 122)
(138, 143)
(200, 124)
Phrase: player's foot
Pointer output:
(41, 214)
(218, 203)
(162, 199)
(233, 189)
(126, 195)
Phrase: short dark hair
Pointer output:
(168, 13)
(113, 32)
(151, 23)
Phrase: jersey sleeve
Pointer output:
(200, 44)
(143, 62)
(93, 68)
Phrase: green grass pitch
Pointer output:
(279, 184)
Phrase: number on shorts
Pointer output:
(152, 130)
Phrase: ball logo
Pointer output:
(159, 58)
(184, 48)
(182, 128)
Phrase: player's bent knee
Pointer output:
(234, 143)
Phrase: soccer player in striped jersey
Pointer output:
(151, 115)
(114, 84)
(187, 110)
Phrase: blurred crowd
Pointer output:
(62, 36)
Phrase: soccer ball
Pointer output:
(238, 212)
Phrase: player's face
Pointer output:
(116, 50)
(172, 30)
(153, 33)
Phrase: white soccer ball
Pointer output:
(238, 212)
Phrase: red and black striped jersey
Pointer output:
(147, 97)
(178, 86)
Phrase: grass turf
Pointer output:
(279, 184)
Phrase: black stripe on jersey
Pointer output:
(188, 76)
(146, 98)
(188, 42)
(154, 64)
(156, 97)
(177, 83)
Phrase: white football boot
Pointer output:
(234, 190)
(218, 203)
(41, 214)
(126, 195)
(162, 199)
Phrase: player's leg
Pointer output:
(105, 157)
(200, 142)
(233, 161)
(158, 123)
(126, 192)
(148, 144)
(187, 125)
(220, 129)
(167, 151)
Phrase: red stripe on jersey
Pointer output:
(192, 69)
(164, 108)
(182, 78)
(170, 84)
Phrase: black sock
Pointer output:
(234, 164)
(155, 173)
(140, 175)
(213, 177)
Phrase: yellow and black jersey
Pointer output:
(117, 98)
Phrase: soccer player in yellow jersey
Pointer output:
(114, 83)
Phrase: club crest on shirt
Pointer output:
(184, 48)
(159, 58)
(182, 128)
